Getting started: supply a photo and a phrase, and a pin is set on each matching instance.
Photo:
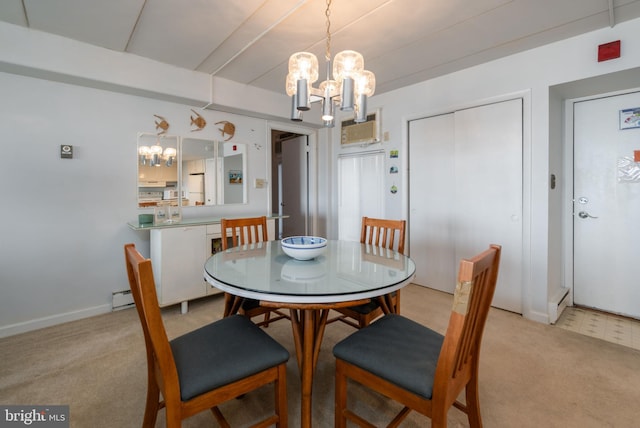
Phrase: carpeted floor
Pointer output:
(531, 375)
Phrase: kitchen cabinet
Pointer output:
(178, 256)
(151, 174)
(195, 166)
(178, 253)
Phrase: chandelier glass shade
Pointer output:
(350, 87)
(154, 155)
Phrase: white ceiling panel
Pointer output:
(102, 23)
(250, 41)
(246, 40)
(11, 11)
(184, 33)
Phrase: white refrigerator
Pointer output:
(195, 188)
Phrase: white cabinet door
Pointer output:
(178, 255)
(465, 172)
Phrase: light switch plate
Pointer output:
(258, 183)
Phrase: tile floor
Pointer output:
(612, 328)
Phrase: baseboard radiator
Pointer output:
(122, 300)
(557, 304)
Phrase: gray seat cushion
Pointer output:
(223, 352)
(396, 349)
(248, 304)
(366, 308)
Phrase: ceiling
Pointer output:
(250, 41)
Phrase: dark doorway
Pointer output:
(290, 182)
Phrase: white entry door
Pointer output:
(465, 184)
(606, 206)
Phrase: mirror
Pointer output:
(158, 161)
(190, 171)
(232, 167)
(199, 179)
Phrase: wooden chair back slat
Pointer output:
(383, 233)
(144, 295)
(243, 230)
(476, 284)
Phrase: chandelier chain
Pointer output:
(327, 13)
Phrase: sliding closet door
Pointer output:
(431, 197)
(472, 197)
(488, 208)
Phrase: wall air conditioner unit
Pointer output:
(364, 133)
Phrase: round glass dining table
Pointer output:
(346, 274)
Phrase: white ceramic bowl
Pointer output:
(304, 271)
(303, 247)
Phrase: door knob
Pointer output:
(584, 214)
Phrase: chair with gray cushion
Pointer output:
(416, 366)
(384, 234)
(241, 231)
(206, 367)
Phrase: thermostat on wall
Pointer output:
(66, 151)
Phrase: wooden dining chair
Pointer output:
(241, 231)
(206, 367)
(416, 366)
(383, 233)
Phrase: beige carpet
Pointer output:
(531, 375)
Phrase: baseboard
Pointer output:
(122, 299)
(36, 324)
(557, 304)
(536, 316)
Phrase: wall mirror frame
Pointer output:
(190, 172)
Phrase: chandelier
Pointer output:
(349, 88)
(155, 155)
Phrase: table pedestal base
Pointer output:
(308, 322)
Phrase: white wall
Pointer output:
(63, 222)
(539, 75)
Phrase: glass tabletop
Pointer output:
(345, 271)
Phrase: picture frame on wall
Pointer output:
(630, 118)
(235, 177)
